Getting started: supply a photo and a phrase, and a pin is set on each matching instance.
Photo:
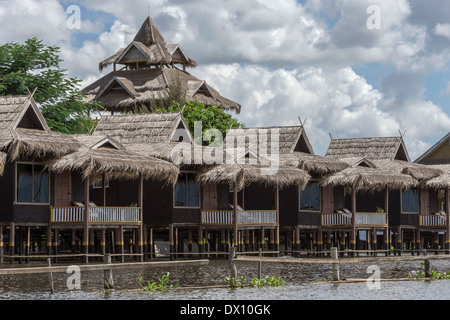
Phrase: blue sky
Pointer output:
(280, 59)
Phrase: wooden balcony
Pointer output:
(99, 215)
(370, 219)
(432, 220)
(252, 217)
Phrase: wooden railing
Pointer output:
(432, 220)
(361, 219)
(96, 214)
(218, 217)
(336, 219)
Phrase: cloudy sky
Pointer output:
(352, 68)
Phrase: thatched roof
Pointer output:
(28, 143)
(382, 148)
(123, 90)
(177, 152)
(239, 176)
(289, 138)
(442, 181)
(140, 128)
(362, 178)
(114, 163)
(24, 132)
(313, 164)
(150, 48)
(418, 171)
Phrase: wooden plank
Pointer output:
(102, 267)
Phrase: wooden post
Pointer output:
(27, 250)
(85, 243)
(335, 266)
(121, 244)
(150, 244)
(108, 277)
(55, 243)
(235, 218)
(200, 242)
(386, 232)
(277, 228)
(447, 212)
(103, 242)
(260, 264)
(171, 242)
(399, 240)
(141, 217)
(49, 262)
(12, 238)
(353, 231)
(231, 262)
(1, 244)
(426, 264)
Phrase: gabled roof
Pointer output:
(21, 112)
(384, 148)
(426, 159)
(142, 128)
(153, 47)
(24, 132)
(290, 138)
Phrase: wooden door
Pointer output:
(210, 197)
(63, 189)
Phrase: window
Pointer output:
(410, 201)
(187, 191)
(310, 197)
(32, 184)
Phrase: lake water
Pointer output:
(301, 283)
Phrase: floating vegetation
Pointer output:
(163, 284)
(267, 281)
(434, 275)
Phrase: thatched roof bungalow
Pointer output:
(290, 143)
(25, 134)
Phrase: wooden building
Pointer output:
(48, 179)
(300, 208)
(149, 71)
(206, 199)
(381, 190)
(434, 220)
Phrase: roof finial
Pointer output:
(331, 137)
(302, 123)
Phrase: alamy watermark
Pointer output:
(255, 147)
(73, 21)
(374, 20)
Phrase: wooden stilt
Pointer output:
(28, 244)
(103, 242)
(150, 244)
(171, 242)
(121, 243)
(12, 239)
(353, 231)
(1, 244)
(85, 243)
(141, 217)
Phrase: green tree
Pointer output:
(34, 65)
(211, 117)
